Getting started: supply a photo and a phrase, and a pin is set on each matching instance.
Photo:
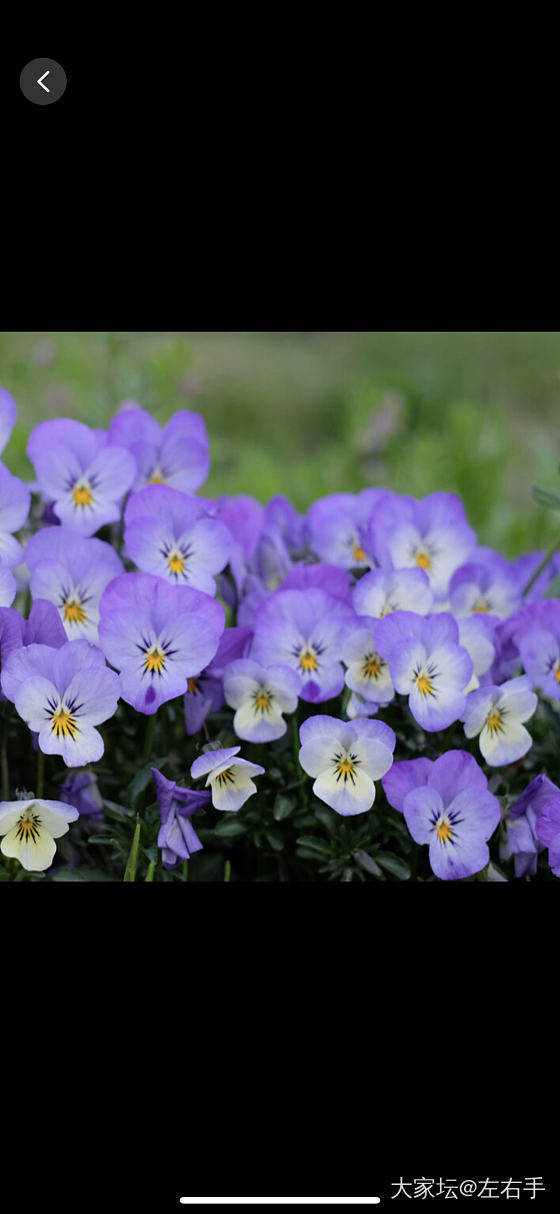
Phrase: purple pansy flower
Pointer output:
(477, 636)
(367, 672)
(522, 838)
(538, 642)
(427, 663)
(8, 414)
(244, 518)
(547, 828)
(383, 591)
(61, 694)
(496, 715)
(229, 777)
(76, 469)
(345, 758)
(304, 629)
(72, 573)
(432, 534)
(43, 627)
(260, 695)
(171, 534)
(157, 636)
(448, 806)
(205, 692)
(336, 525)
(175, 455)
(330, 578)
(82, 790)
(15, 499)
(177, 836)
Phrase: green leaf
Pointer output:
(367, 863)
(553, 588)
(130, 870)
(275, 839)
(393, 865)
(229, 828)
(544, 498)
(101, 839)
(283, 807)
(319, 846)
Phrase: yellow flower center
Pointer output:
(74, 612)
(82, 495)
(263, 700)
(358, 553)
(425, 685)
(423, 559)
(28, 827)
(444, 832)
(557, 674)
(481, 606)
(345, 767)
(176, 563)
(494, 722)
(192, 686)
(372, 666)
(308, 660)
(155, 659)
(64, 724)
(156, 477)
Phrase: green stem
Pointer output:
(185, 870)
(546, 558)
(227, 870)
(40, 790)
(149, 738)
(151, 870)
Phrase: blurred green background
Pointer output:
(312, 413)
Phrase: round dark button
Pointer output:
(43, 81)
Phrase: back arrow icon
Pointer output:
(40, 81)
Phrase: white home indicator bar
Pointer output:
(280, 1201)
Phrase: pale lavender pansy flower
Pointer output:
(171, 534)
(205, 691)
(177, 836)
(175, 454)
(334, 525)
(523, 842)
(43, 627)
(72, 573)
(62, 694)
(15, 499)
(367, 672)
(383, 591)
(244, 518)
(358, 707)
(260, 695)
(496, 715)
(228, 776)
(446, 804)
(345, 758)
(426, 663)
(304, 629)
(320, 576)
(8, 415)
(76, 469)
(484, 585)
(8, 588)
(547, 828)
(30, 829)
(431, 533)
(157, 636)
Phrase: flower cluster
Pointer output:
(371, 646)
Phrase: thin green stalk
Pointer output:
(151, 870)
(40, 790)
(185, 870)
(132, 862)
(227, 870)
(546, 558)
